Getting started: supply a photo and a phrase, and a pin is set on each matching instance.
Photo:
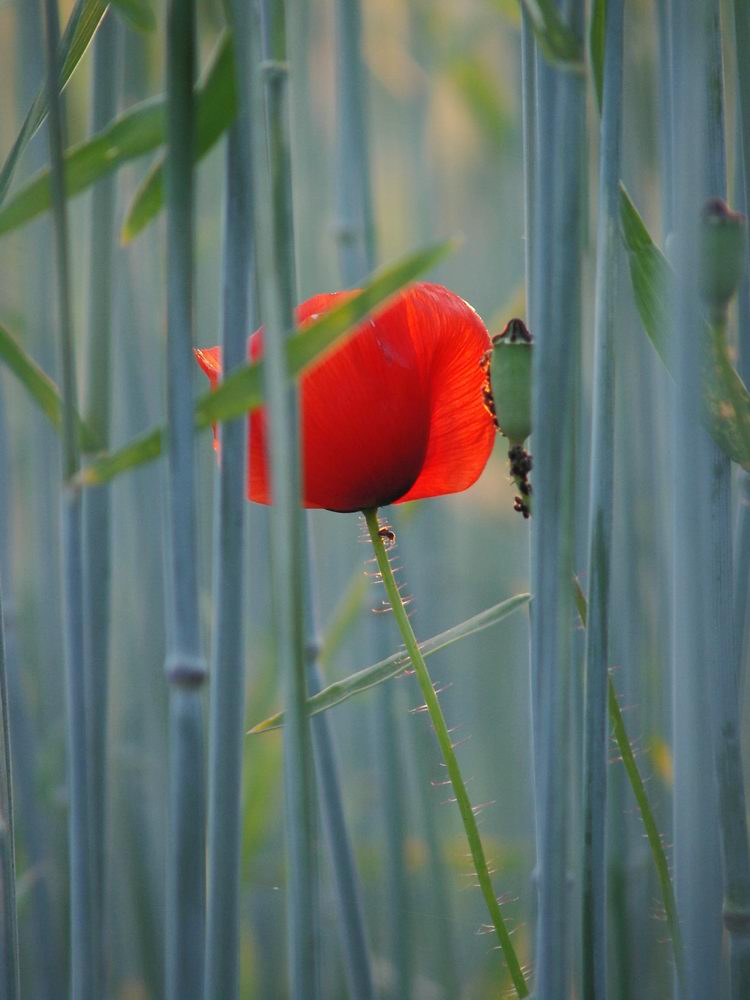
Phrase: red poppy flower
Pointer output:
(396, 413)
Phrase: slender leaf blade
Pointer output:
(217, 108)
(137, 13)
(560, 45)
(726, 399)
(40, 387)
(395, 664)
(242, 391)
(596, 46)
(80, 29)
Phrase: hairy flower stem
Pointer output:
(449, 755)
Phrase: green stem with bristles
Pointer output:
(449, 754)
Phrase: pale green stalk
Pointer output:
(9, 972)
(278, 294)
(228, 664)
(185, 667)
(700, 645)
(448, 752)
(594, 904)
(96, 508)
(83, 960)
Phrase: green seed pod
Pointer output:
(510, 380)
(723, 254)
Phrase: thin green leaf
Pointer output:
(726, 399)
(80, 30)
(137, 13)
(395, 664)
(653, 836)
(596, 45)
(40, 387)
(558, 43)
(137, 131)
(217, 108)
(242, 391)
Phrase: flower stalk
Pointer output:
(445, 743)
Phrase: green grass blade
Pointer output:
(136, 132)
(242, 391)
(654, 838)
(40, 387)
(558, 43)
(216, 110)
(727, 401)
(394, 665)
(80, 30)
(138, 13)
(596, 45)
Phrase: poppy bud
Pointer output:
(722, 254)
(510, 378)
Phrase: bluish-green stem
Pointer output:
(700, 648)
(448, 752)
(9, 971)
(594, 902)
(554, 313)
(185, 667)
(227, 658)
(81, 853)
(355, 953)
(97, 543)
(278, 294)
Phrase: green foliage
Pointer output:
(556, 40)
(137, 13)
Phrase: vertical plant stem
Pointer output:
(594, 937)
(554, 313)
(9, 971)
(228, 667)
(96, 508)
(277, 281)
(185, 668)
(83, 960)
(700, 643)
(449, 755)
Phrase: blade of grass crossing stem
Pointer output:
(697, 626)
(185, 668)
(96, 508)
(638, 787)
(395, 664)
(79, 31)
(594, 904)
(9, 960)
(228, 666)
(83, 957)
(445, 743)
(277, 281)
(245, 391)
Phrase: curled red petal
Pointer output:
(396, 413)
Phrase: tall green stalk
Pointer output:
(700, 651)
(554, 315)
(594, 904)
(448, 752)
(228, 662)
(278, 290)
(185, 668)
(96, 508)
(9, 970)
(81, 853)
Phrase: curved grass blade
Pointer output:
(138, 13)
(41, 388)
(556, 40)
(726, 399)
(80, 29)
(136, 132)
(653, 836)
(242, 391)
(394, 665)
(217, 108)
